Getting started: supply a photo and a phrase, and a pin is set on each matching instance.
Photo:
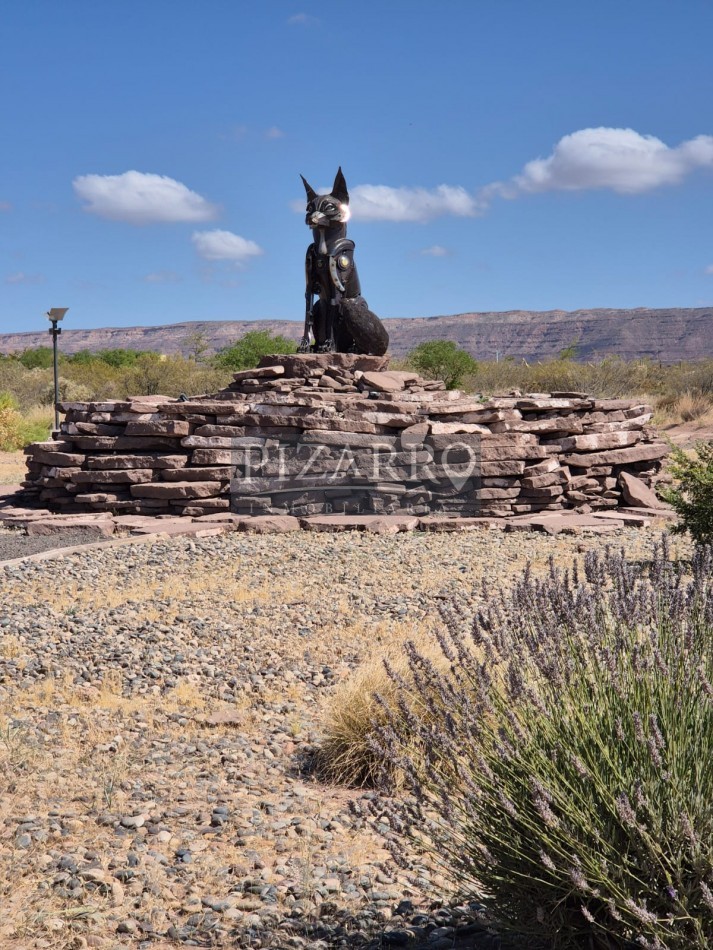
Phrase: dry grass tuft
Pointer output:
(12, 468)
(359, 706)
(689, 406)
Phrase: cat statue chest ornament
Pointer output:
(339, 320)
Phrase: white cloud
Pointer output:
(274, 133)
(621, 160)
(383, 203)
(225, 246)
(709, 269)
(162, 277)
(141, 198)
(5, 206)
(20, 277)
(436, 250)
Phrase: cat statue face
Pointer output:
(327, 211)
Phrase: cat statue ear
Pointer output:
(311, 193)
(339, 188)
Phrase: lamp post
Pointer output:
(54, 316)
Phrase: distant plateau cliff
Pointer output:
(667, 335)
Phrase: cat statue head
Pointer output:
(327, 211)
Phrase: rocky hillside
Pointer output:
(668, 335)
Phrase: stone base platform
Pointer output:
(336, 434)
(100, 527)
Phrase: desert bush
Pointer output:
(170, 376)
(610, 377)
(442, 359)
(18, 429)
(568, 781)
(692, 497)
(10, 421)
(36, 424)
(247, 352)
(109, 374)
(27, 387)
(37, 357)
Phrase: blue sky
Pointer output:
(500, 154)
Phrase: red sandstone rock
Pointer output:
(541, 481)
(441, 523)
(668, 514)
(129, 476)
(496, 469)
(219, 473)
(159, 427)
(487, 494)
(50, 445)
(599, 440)
(499, 453)
(213, 456)
(170, 490)
(565, 522)
(637, 493)
(452, 428)
(92, 527)
(136, 461)
(542, 468)
(378, 524)
(58, 458)
(637, 453)
(301, 364)
(268, 524)
(388, 382)
(262, 372)
(558, 424)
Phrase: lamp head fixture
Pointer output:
(56, 314)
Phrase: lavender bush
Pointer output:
(567, 778)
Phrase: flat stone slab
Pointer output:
(271, 371)
(564, 522)
(439, 523)
(104, 526)
(634, 521)
(376, 524)
(302, 364)
(11, 514)
(176, 490)
(94, 527)
(667, 514)
(228, 517)
(268, 524)
(183, 527)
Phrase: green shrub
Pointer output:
(17, 429)
(692, 498)
(37, 357)
(35, 425)
(10, 421)
(119, 358)
(442, 359)
(569, 778)
(247, 352)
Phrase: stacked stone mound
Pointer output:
(312, 434)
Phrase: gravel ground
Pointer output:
(159, 705)
(14, 542)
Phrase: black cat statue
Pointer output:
(339, 321)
